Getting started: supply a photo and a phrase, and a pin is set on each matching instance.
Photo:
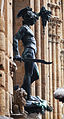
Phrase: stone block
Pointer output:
(2, 60)
(9, 48)
(6, 81)
(2, 41)
(9, 84)
(7, 65)
(7, 113)
(2, 25)
(2, 78)
(2, 101)
(50, 30)
(10, 103)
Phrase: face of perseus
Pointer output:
(30, 18)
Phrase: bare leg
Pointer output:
(27, 78)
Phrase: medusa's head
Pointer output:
(29, 17)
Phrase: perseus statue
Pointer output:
(27, 36)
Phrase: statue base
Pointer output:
(25, 116)
(19, 116)
(5, 117)
(34, 116)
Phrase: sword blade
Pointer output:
(36, 60)
(32, 60)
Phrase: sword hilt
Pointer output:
(18, 58)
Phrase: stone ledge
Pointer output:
(26, 116)
(19, 116)
(4, 117)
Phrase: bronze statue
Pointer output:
(27, 36)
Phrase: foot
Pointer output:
(49, 108)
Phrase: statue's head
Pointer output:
(29, 17)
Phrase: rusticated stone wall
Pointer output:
(6, 57)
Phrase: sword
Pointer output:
(31, 60)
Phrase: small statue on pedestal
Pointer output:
(20, 102)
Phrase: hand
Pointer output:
(17, 58)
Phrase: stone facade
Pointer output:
(6, 57)
(50, 46)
